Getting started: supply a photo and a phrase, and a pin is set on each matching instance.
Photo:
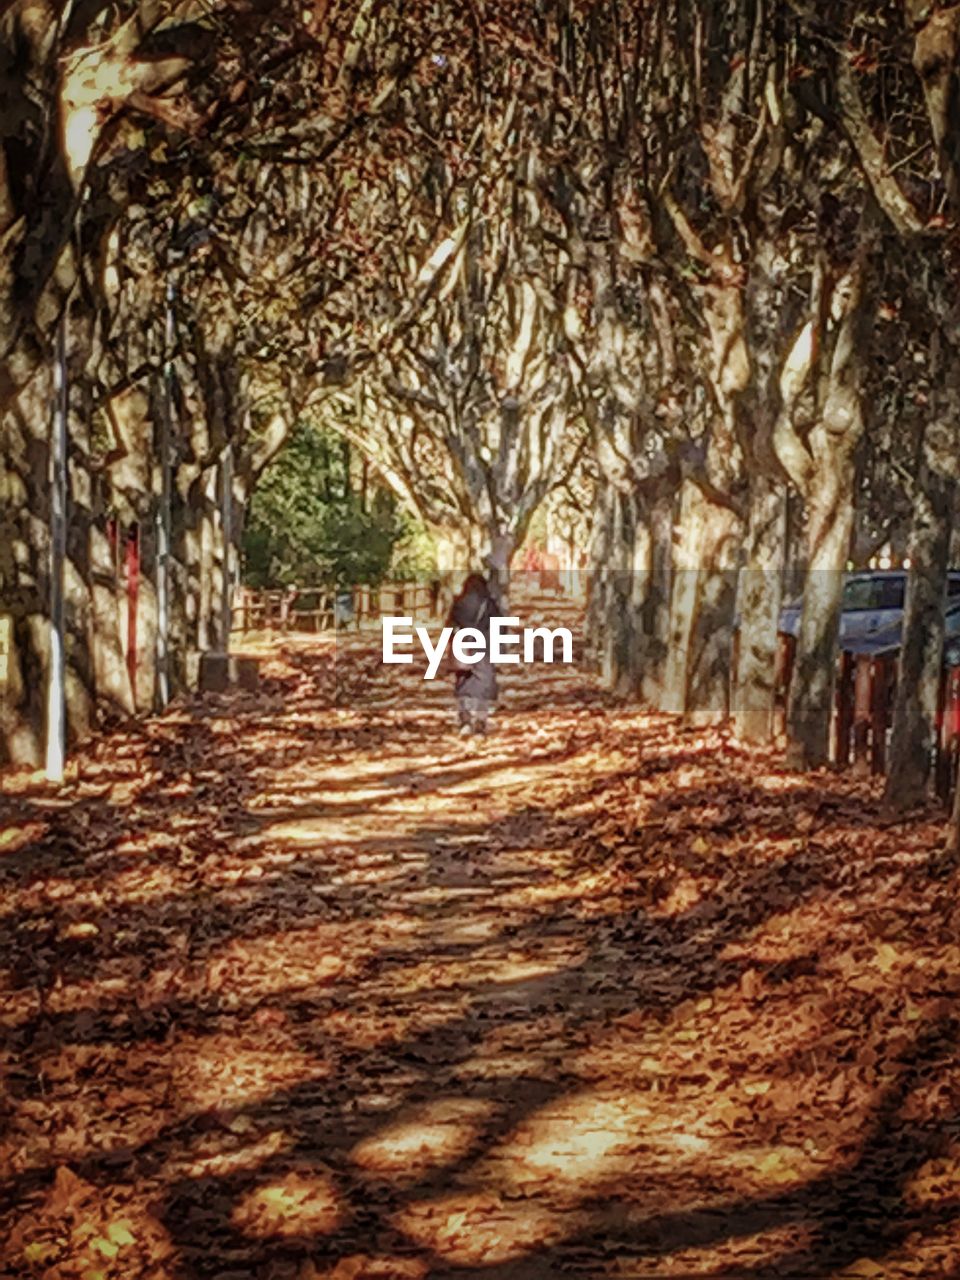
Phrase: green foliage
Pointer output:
(309, 524)
(415, 554)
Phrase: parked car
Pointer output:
(872, 604)
(887, 640)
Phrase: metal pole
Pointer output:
(56, 695)
(226, 533)
(163, 509)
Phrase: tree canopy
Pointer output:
(308, 525)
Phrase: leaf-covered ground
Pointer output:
(298, 984)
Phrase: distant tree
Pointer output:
(308, 525)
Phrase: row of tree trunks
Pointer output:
(99, 678)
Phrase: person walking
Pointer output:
(475, 684)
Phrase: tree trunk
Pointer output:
(628, 582)
(697, 675)
(830, 489)
(598, 575)
(709, 671)
(921, 653)
(953, 831)
(496, 561)
(184, 589)
(759, 598)
(207, 538)
(656, 606)
(25, 569)
(683, 598)
(830, 528)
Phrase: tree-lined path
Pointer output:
(299, 984)
(657, 302)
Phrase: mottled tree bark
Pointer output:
(830, 497)
(759, 600)
(921, 654)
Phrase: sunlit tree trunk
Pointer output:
(656, 604)
(697, 676)
(830, 528)
(25, 509)
(758, 601)
(830, 498)
(628, 569)
(710, 652)
(598, 606)
(207, 553)
(690, 536)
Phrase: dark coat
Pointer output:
(475, 609)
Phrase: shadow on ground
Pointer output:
(303, 985)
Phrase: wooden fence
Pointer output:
(313, 611)
(866, 691)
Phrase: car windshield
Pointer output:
(874, 593)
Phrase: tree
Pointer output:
(308, 526)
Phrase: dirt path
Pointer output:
(300, 985)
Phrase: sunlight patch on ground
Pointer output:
(686, 892)
(289, 961)
(472, 1229)
(573, 887)
(510, 969)
(209, 1159)
(583, 1139)
(297, 1204)
(221, 1071)
(438, 895)
(460, 931)
(472, 971)
(512, 776)
(90, 997)
(782, 937)
(779, 783)
(150, 877)
(499, 1065)
(773, 1166)
(334, 802)
(935, 1183)
(736, 1254)
(573, 1146)
(414, 980)
(437, 1133)
(569, 1146)
(297, 831)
